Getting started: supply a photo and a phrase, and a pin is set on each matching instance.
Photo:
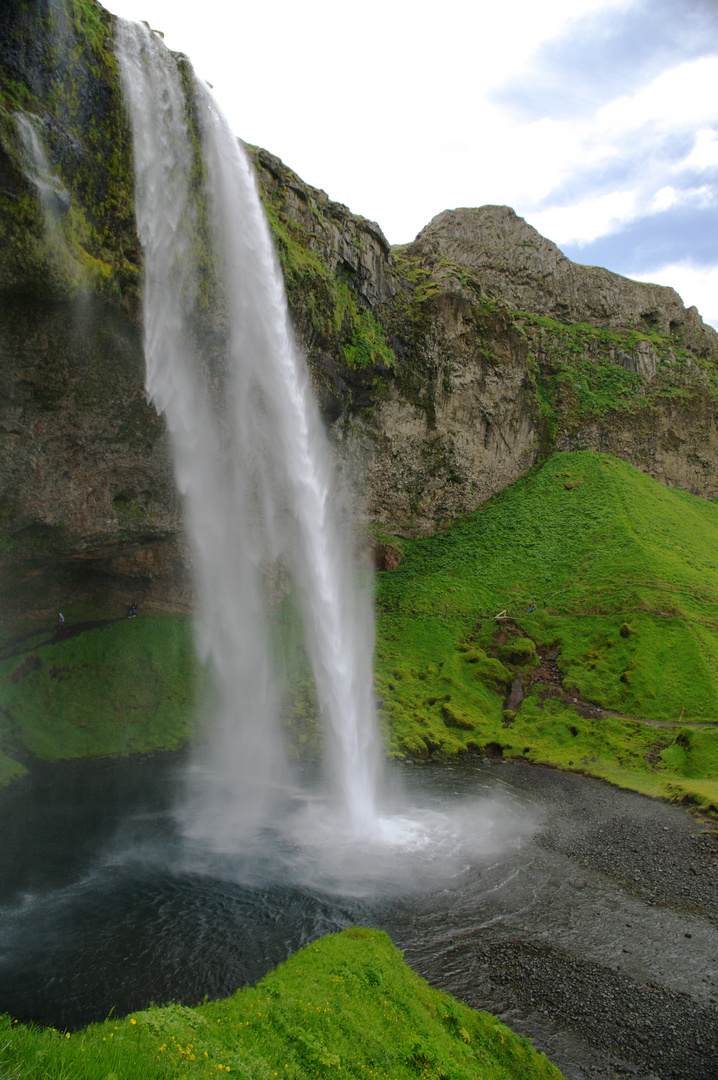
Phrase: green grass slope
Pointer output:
(619, 659)
(345, 1006)
(624, 575)
(119, 687)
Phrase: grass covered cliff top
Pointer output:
(623, 574)
(345, 1006)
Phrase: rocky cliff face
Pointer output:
(522, 270)
(499, 350)
(443, 369)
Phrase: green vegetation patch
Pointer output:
(623, 573)
(346, 1005)
(119, 688)
(333, 310)
(583, 374)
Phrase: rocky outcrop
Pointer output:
(87, 494)
(523, 270)
(349, 246)
(339, 273)
(501, 349)
(465, 428)
(642, 399)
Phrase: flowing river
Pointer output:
(585, 916)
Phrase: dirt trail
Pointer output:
(547, 678)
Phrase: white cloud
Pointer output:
(678, 99)
(664, 199)
(602, 215)
(704, 154)
(633, 134)
(392, 108)
(628, 161)
(696, 285)
(587, 220)
(358, 100)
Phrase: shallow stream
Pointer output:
(585, 916)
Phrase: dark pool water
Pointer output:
(517, 889)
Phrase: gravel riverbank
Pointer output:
(629, 987)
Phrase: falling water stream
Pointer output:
(54, 197)
(251, 462)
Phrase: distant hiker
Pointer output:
(531, 608)
(132, 611)
(61, 624)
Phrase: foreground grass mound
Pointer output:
(98, 689)
(345, 1006)
(623, 576)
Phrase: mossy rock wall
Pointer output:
(87, 498)
(472, 392)
(58, 74)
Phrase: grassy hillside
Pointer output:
(116, 687)
(346, 1006)
(619, 659)
(109, 686)
(624, 576)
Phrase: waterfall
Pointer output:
(251, 459)
(53, 196)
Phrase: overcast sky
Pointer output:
(597, 120)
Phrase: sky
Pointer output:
(596, 120)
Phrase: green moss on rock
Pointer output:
(59, 71)
(519, 651)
